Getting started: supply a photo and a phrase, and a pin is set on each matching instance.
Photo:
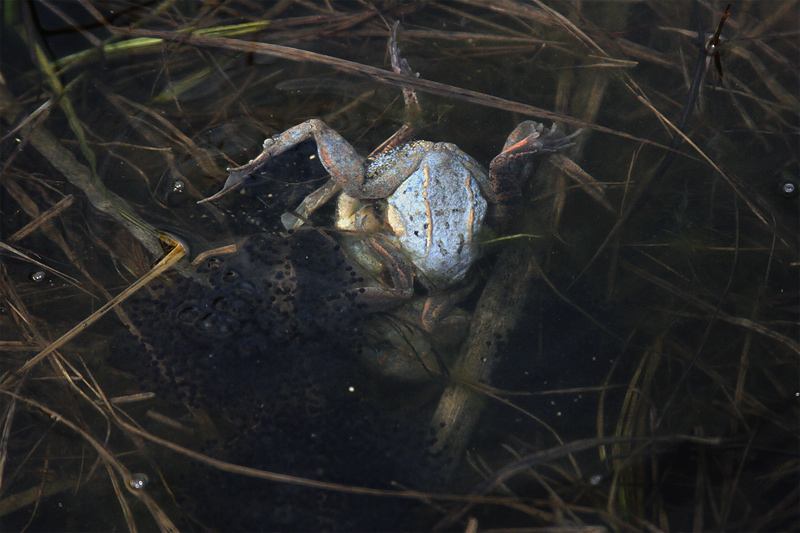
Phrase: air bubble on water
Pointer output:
(139, 481)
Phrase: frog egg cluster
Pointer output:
(270, 336)
(275, 302)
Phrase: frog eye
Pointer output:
(367, 220)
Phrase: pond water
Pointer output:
(623, 355)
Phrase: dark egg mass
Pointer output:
(267, 337)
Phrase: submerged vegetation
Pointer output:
(188, 366)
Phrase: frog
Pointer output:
(412, 215)
(415, 211)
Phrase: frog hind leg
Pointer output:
(401, 66)
(381, 297)
(338, 157)
(528, 140)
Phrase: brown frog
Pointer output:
(414, 211)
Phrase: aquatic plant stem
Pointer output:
(497, 313)
(79, 175)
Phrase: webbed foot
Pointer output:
(528, 140)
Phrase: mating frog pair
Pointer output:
(414, 211)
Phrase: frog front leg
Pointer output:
(340, 159)
(430, 310)
(525, 142)
(401, 273)
(374, 253)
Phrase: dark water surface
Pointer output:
(653, 366)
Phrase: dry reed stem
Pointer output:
(165, 524)
(79, 175)
(380, 75)
(175, 255)
(34, 224)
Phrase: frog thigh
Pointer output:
(392, 168)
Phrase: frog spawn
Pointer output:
(247, 309)
(269, 334)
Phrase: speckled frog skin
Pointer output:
(435, 211)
